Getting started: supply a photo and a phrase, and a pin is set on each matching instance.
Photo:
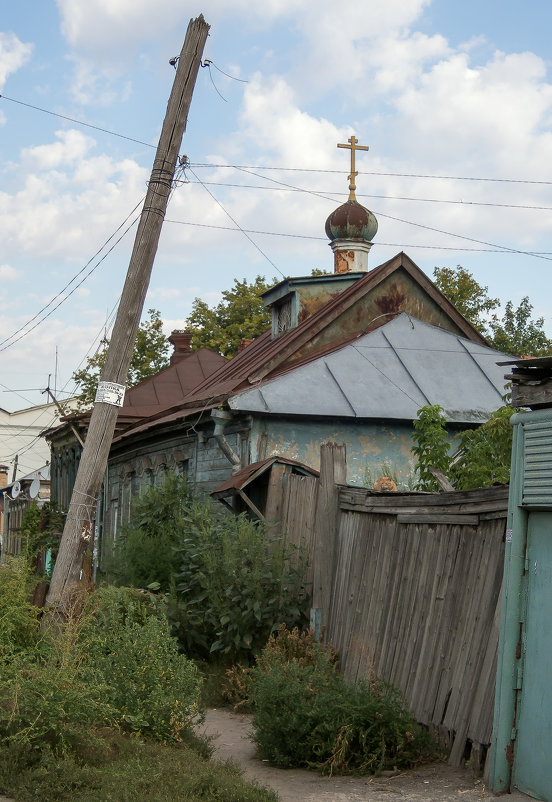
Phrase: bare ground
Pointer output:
(229, 733)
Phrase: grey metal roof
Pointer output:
(389, 373)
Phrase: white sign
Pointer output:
(110, 393)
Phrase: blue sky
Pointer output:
(442, 88)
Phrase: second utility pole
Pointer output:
(78, 530)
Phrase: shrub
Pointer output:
(145, 554)
(432, 446)
(18, 618)
(234, 586)
(485, 453)
(49, 699)
(305, 715)
(152, 688)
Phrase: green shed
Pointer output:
(522, 732)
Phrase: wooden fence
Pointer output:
(408, 589)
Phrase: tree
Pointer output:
(467, 295)
(149, 357)
(240, 315)
(513, 333)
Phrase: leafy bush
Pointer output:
(18, 618)
(432, 446)
(49, 698)
(152, 688)
(145, 554)
(234, 586)
(485, 453)
(305, 715)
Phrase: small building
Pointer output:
(17, 497)
(350, 356)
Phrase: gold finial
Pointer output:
(352, 147)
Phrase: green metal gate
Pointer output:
(522, 733)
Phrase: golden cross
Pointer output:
(352, 147)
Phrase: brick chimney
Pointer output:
(181, 342)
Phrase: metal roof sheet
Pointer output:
(249, 473)
(389, 373)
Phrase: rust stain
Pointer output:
(510, 754)
(392, 301)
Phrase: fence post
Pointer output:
(333, 471)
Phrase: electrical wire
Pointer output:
(379, 197)
(411, 223)
(281, 168)
(378, 243)
(373, 172)
(78, 122)
(227, 213)
(5, 343)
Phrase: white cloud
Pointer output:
(13, 54)
(8, 273)
(68, 201)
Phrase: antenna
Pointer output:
(34, 488)
(15, 490)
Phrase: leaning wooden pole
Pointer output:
(78, 530)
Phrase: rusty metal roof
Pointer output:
(388, 373)
(157, 394)
(249, 473)
(266, 357)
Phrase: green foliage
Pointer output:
(240, 315)
(467, 295)
(150, 355)
(40, 529)
(227, 586)
(112, 663)
(485, 453)
(306, 715)
(483, 456)
(146, 552)
(123, 769)
(152, 688)
(49, 699)
(431, 447)
(515, 333)
(234, 586)
(18, 618)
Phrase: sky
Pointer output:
(453, 99)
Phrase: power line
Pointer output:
(421, 225)
(373, 172)
(24, 330)
(281, 168)
(378, 197)
(227, 213)
(498, 249)
(78, 122)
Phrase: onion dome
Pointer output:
(351, 221)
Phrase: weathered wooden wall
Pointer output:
(414, 596)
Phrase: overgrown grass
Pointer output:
(126, 769)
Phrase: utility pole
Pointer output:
(78, 530)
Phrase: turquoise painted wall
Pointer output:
(371, 448)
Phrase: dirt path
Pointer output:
(435, 783)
